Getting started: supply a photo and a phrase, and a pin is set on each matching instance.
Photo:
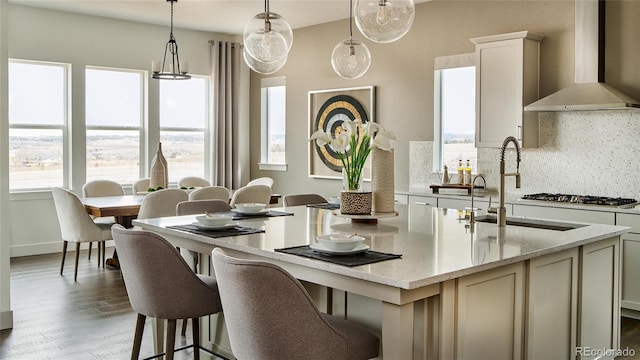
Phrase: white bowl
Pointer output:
(251, 207)
(214, 219)
(340, 242)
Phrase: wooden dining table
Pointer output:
(123, 207)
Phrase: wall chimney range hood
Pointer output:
(589, 91)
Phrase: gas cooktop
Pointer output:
(580, 199)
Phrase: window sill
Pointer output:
(272, 167)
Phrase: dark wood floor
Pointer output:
(57, 318)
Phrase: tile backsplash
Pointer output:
(585, 152)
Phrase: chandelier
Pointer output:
(171, 69)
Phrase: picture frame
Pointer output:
(327, 110)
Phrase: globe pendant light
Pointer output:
(173, 70)
(267, 37)
(262, 67)
(384, 21)
(350, 58)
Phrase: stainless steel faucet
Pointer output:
(472, 216)
(502, 211)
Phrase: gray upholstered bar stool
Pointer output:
(269, 315)
(160, 284)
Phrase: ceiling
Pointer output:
(220, 16)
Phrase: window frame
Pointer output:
(206, 130)
(265, 84)
(142, 130)
(64, 127)
(444, 63)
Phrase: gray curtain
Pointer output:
(228, 132)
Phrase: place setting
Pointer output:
(342, 249)
(253, 210)
(216, 225)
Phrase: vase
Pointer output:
(382, 181)
(345, 183)
(355, 202)
(159, 171)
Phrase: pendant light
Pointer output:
(350, 58)
(267, 37)
(262, 67)
(384, 21)
(170, 70)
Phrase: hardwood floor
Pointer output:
(56, 318)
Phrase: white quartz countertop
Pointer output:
(434, 243)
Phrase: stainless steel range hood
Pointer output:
(589, 91)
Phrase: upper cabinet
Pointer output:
(507, 67)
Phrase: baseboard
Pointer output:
(6, 320)
(630, 313)
(49, 248)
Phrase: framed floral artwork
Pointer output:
(327, 111)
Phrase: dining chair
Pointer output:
(198, 207)
(289, 325)
(261, 181)
(303, 199)
(210, 193)
(97, 188)
(161, 203)
(140, 186)
(161, 285)
(191, 207)
(77, 226)
(193, 181)
(251, 194)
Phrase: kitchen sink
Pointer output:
(531, 223)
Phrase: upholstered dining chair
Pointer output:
(289, 325)
(261, 181)
(303, 199)
(210, 193)
(77, 226)
(140, 186)
(193, 181)
(161, 203)
(251, 194)
(97, 188)
(161, 285)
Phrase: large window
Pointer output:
(114, 113)
(38, 118)
(273, 102)
(454, 120)
(184, 110)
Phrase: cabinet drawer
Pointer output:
(543, 212)
(630, 220)
(402, 199)
(423, 200)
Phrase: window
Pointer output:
(114, 111)
(184, 111)
(273, 103)
(38, 118)
(454, 115)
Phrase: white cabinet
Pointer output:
(401, 199)
(630, 261)
(489, 320)
(599, 291)
(506, 81)
(552, 306)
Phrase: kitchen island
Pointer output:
(459, 291)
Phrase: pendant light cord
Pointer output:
(171, 35)
(350, 19)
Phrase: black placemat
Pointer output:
(326, 206)
(270, 213)
(234, 231)
(363, 258)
